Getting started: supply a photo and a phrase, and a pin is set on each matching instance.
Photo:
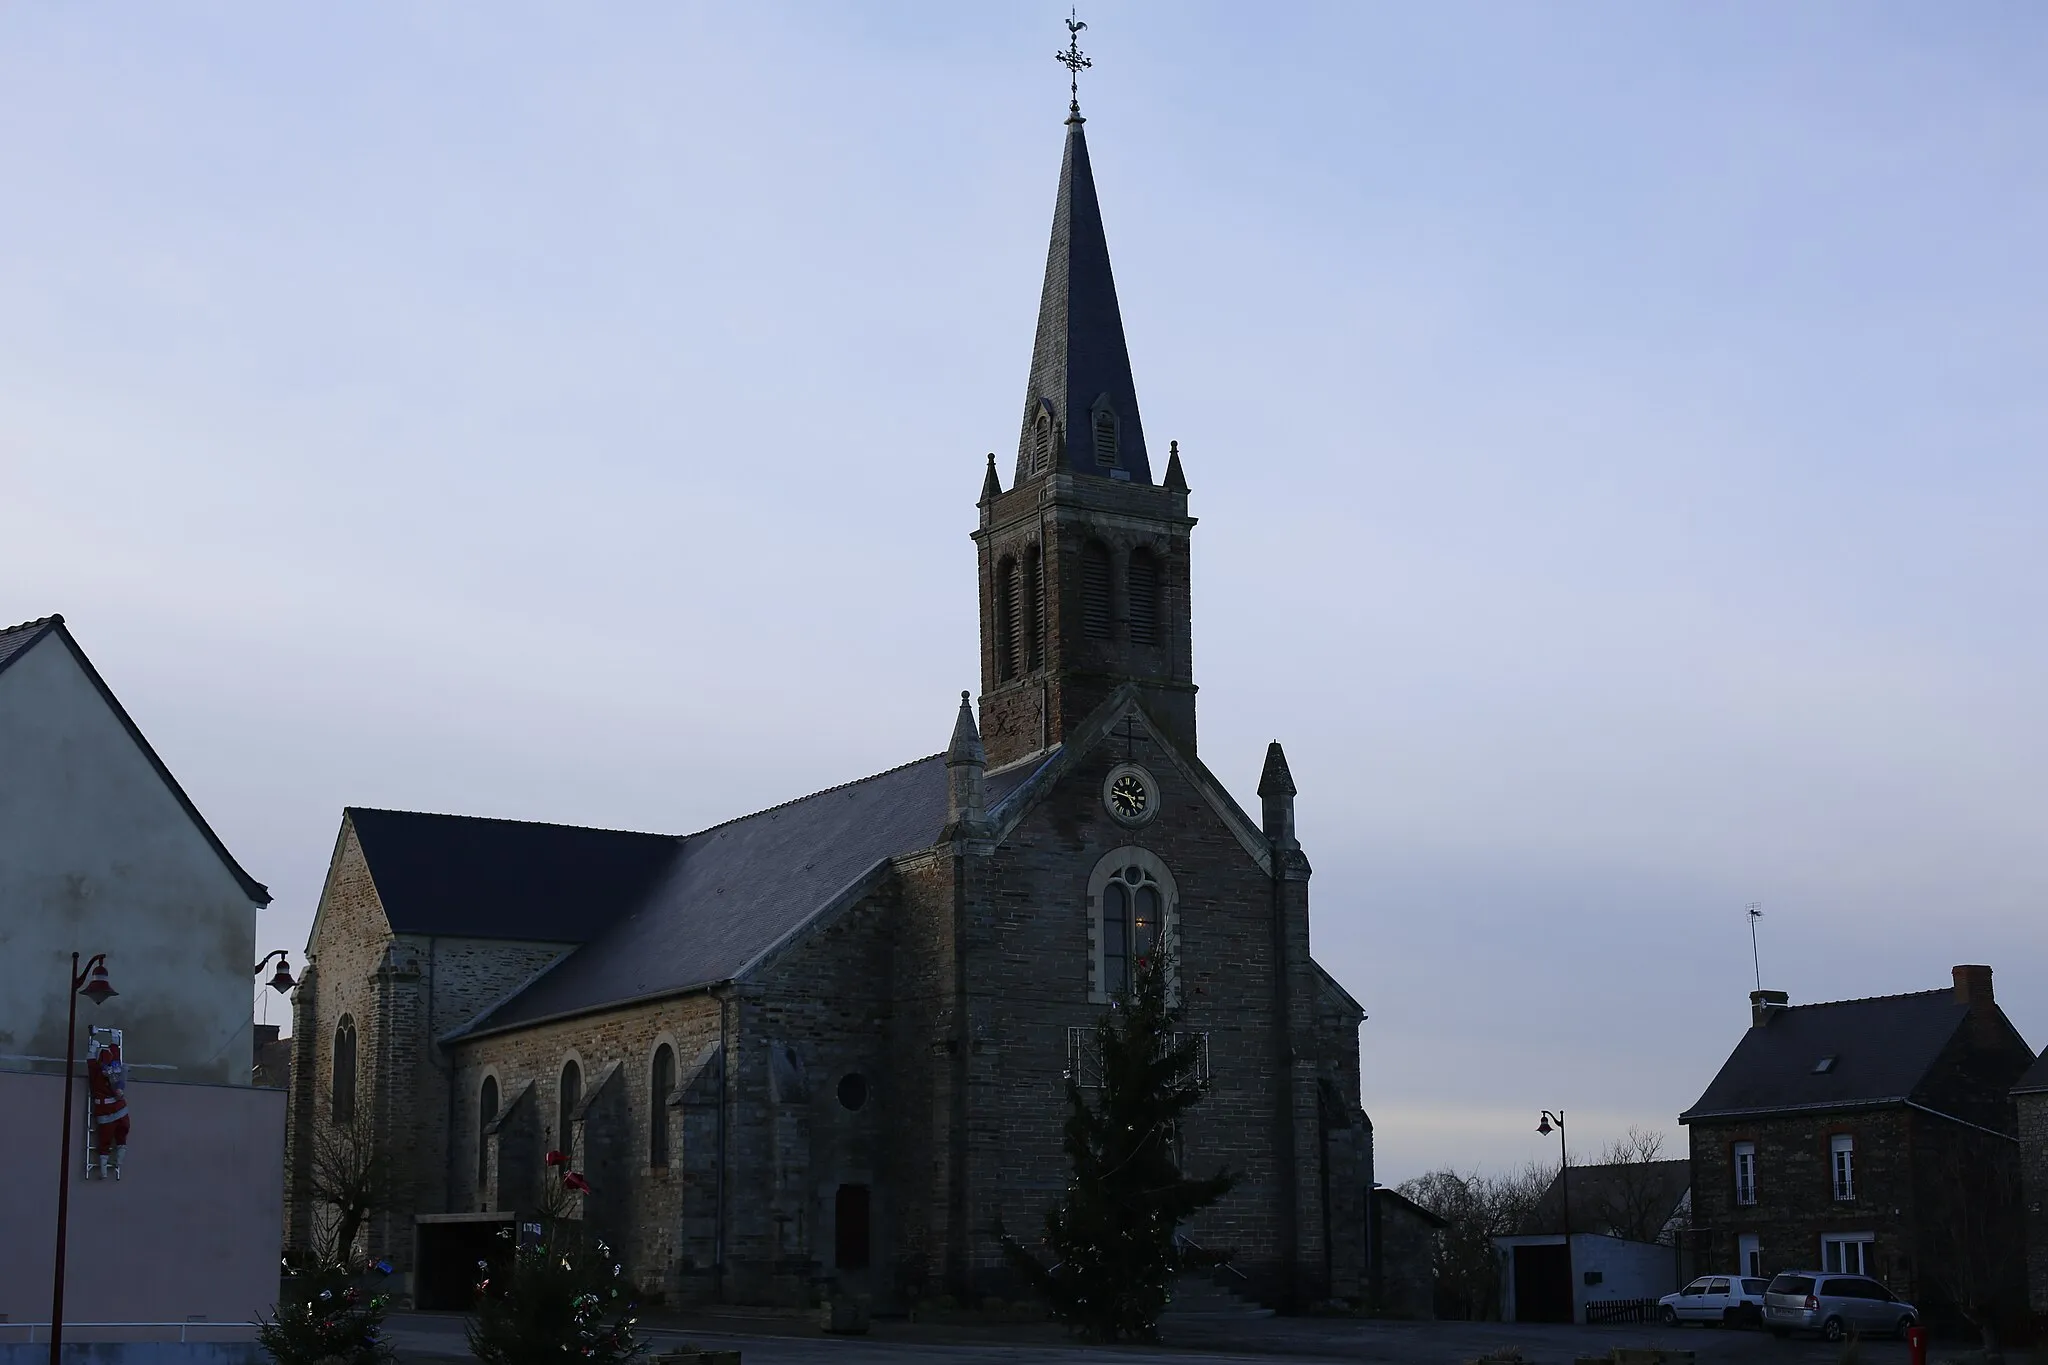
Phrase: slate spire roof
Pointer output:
(1079, 358)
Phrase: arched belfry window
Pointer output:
(1005, 626)
(1097, 609)
(1031, 611)
(343, 1089)
(486, 1114)
(568, 1096)
(1041, 443)
(661, 1085)
(1133, 912)
(1103, 423)
(1145, 597)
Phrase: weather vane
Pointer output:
(1073, 60)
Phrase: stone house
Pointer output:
(824, 1047)
(1401, 1247)
(1867, 1135)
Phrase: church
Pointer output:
(824, 1048)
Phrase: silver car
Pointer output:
(1834, 1305)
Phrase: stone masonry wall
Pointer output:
(1795, 1201)
(1029, 959)
(666, 1231)
(2033, 1132)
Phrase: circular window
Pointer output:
(853, 1090)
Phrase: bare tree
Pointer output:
(1477, 1209)
(1973, 1247)
(1638, 1196)
(353, 1176)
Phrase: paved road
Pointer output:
(423, 1337)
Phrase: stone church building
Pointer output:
(823, 1047)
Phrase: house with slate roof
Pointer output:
(1870, 1136)
(824, 1047)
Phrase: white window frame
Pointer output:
(1839, 1244)
(1107, 870)
(1084, 1059)
(1749, 1255)
(1745, 1173)
(1842, 1166)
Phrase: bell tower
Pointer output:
(1083, 561)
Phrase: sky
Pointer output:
(1616, 431)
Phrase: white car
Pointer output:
(1735, 1300)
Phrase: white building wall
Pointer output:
(190, 1231)
(98, 855)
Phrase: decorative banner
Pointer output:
(107, 1122)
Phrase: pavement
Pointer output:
(431, 1337)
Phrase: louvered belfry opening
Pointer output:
(1145, 606)
(1105, 438)
(1097, 613)
(1031, 611)
(1041, 457)
(1006, 619)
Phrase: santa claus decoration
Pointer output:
(107, 1082)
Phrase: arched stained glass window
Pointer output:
(343, 1090)
(569, 1096)
(660, 1087)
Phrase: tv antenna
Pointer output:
(1756, 912)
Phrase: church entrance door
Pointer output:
(852, 1228)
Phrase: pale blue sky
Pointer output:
(1617, 432)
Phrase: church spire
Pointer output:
(1081, 406)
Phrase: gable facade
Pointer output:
(102, 851)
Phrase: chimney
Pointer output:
(1765, 1005)
(1973, 988)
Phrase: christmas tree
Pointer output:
(555, 1302)
(341, 1320)
(1112, 1237)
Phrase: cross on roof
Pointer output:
(1073, 60)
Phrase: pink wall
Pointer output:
(193, 1227)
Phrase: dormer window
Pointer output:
(1824, 1065)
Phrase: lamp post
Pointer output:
(282, 982)
(91, 983)
(1564, 1194)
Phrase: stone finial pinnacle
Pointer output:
(1276, 780)
(1176, 482)
(966, 743)
(991, 485)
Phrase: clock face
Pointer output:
(1130, 794)
(1127, 794)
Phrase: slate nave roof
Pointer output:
(641, 916)
(646, 915)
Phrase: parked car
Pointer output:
(1834, 1306)
(1737, 1300)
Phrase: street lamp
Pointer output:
(1564, 1194)
(282, 982)
(91, 983)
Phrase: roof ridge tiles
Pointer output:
(807, 796)
(1869, 999)
(53, 619)
(507, 820)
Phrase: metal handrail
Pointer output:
(182, 1327)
